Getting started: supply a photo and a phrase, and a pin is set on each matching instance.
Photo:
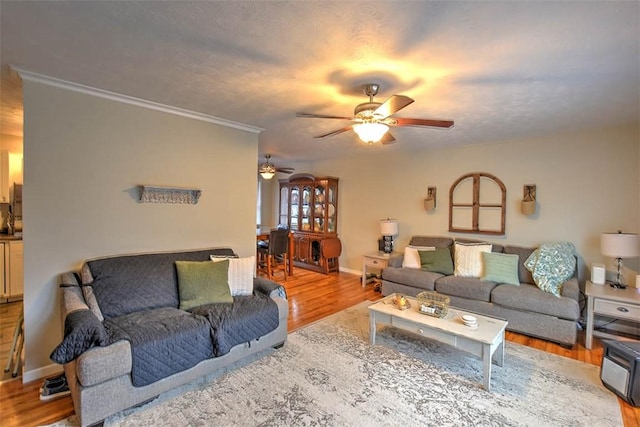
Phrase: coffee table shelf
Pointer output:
(486, 341)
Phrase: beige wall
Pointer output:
(84, 157)
(586, 183)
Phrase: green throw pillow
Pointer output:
(438, 261)
(501, 268)
(203, 282)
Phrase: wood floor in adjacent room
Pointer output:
(312, 296)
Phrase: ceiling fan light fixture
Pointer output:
(267, 170)
(370, 132)
(267, 175)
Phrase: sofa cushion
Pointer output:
(411, 257)
(248, 318)
(527, 297)
(124, 284)
(468, 258)
(494, 246)
(500, 268)
(551, 265)
(163, 341)
(241, 273)
(436, 242)
(523, 253)
(437, 261)
(203, 282)
(465, 287)
(421, 279)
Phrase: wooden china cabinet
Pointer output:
(309, 207)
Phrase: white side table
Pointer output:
(606, 301)
(375, 261)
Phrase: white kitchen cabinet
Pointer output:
(12, 262)
(4, 176)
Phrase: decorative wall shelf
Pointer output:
(155, 194)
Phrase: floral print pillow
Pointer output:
(551, 265)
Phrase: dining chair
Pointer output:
(274, 257)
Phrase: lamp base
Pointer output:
(617, 285)
(388, 244)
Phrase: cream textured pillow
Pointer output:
(240, 273)
(412, 257)
(468, 259)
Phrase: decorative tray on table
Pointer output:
(433, 304)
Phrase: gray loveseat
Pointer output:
(127, 340)
(528, 309)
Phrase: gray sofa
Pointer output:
(100, 359)
(528, 310)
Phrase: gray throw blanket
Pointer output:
(247, 319)
(165, 341)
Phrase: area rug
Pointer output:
(328, 375)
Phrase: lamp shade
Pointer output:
(267, 175)
(370, 132)
(389, 227)
(620, 245)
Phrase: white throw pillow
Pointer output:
(241, 272)
(412, 257)
(468, 259)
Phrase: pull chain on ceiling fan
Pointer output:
(371, 120)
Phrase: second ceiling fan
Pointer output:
(371, 120)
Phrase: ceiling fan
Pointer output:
(372, 120)
(267, 170)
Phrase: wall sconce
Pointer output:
(528, 204)
(430, 201)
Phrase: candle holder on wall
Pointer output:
(528, 204)
(430, 201)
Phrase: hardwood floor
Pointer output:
(312, 296)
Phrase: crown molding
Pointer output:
(118, 97)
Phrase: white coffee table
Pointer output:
(485, 342)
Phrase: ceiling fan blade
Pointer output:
(285, 170)
(335, 132)
(392, 105)
(400, 121)
(321, 116)
(388, 139)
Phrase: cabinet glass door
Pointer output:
(306, 208)
(284, 206)
(319, 209)
(332, 219)
(295, 208)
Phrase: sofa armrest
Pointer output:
(72, 296)
(269, 287)
(82, 331)
(571, 289)
(395, 260)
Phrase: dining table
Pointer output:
(263, 234)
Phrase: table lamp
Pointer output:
(619, 245)
(388, 229)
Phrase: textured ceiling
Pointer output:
(500, 70)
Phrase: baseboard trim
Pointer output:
(43, 372)
(350, 270)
